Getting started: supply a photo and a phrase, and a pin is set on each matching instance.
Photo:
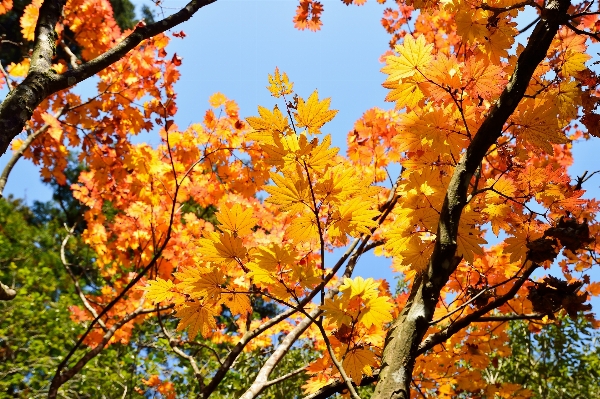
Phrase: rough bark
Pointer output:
(406, 333)
(42, 81)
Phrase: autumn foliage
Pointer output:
(232, 210)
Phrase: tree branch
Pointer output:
(439, 337)
(7, 293)
(180, 353)
(42, 81)
(284, 377)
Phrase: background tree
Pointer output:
(558, 361)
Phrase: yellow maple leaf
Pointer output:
(322, 155)
(538, 124)
(340, 183)
(159, 290)
(187, 278)
(414, 56)
(19, 70)
(222, 248)
(289, 193)
(469, 242)
(316, 382)
(279, 84)
(236, 220)
(354, 217)
(574, 62)
(217, 99)
(269, 258)
(377, 311)
(405, 93)
(197, 317)
(237, 303)
(500, 190)
(260, 275)
(313, 114)
(417, 253)
(334, 310)
(568, 98)
(269, 122)
(210, 284)
(29, 19)
(303, 228)
(358, 286)
(358, 362)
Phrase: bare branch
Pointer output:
(508, 317)
(73, 60)
(180, 353)
(284, 377)
(7, 293)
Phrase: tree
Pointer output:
(558, 361)
(484, 143)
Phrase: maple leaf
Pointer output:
(236, 221)
(209, 285)
(353, 217)
(217, 99)
(366, 289)
(303, 228)
(55, 129)
(159, 290)
(316, 382)
(574, 62)
(538, 125)
(377, 311)
(196, 317)
(313, 114)
(406, 94)
(19, 70)
(270, 122)
(237, 303)
(358, 362)
(272, 257)
(288, 193)
(279, 84)
(260, 275)
(414, 56)
(334, 310)
(222, 248)
(29, 19)
(5, 6)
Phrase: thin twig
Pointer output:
(73, 60)
(179, 352)
(284, 377)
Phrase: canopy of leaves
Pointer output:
(209, 249)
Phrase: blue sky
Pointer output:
(231, 47)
